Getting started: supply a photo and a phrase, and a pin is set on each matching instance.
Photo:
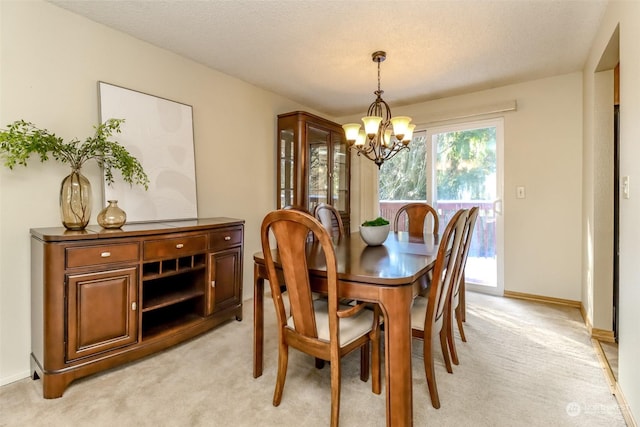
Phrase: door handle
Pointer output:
(497, 206)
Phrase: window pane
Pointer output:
(404, 176)
(318, 167)
(466, 164)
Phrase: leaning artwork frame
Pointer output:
(159, 133)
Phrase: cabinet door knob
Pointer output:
(105, 254)
(134, 306)
(213, 283)
(179, 246)
(227, 238)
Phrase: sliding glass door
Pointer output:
(465, 167)
(455, 167)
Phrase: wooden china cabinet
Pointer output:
(101, 298)
(314, 165)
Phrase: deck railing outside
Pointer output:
(483, 242)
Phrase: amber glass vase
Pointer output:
(75, 201)
(112, 216)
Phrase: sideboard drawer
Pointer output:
(101, 254)
(174, 248)
(225, 238)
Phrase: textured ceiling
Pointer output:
(319, 52)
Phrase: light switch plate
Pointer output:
(625, 187)
(520, 193)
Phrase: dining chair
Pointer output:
(415, 215)
(429, 315)
(458, 286)
(330, 219)
(322, 328)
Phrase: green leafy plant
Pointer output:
(375, 222)
(21, 139)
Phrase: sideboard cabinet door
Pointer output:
(102, 311)
(225, 268)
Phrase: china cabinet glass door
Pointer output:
(313, 164)
(286, 167)
(319, 179)
(340, 173)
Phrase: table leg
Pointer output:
(258, 321)
(395, 303)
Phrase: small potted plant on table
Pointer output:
(374, 232)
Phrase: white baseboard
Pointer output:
(624, 407)
(13, 378)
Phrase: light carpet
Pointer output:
(525, 363)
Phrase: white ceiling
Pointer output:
(319, 52)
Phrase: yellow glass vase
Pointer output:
(75, 201)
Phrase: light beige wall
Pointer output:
(543, 152)
(627, 16)
(51, 62)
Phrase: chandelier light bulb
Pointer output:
(408, 136)
(400, 126)
(387, 138)
(351, 131)
(371, 125)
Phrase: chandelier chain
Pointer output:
(379, 77)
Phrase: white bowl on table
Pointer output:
(374, 235)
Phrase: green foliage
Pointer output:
(466, 158)
(21, 139)
(404, 177)
(376, 222)
(464, 161)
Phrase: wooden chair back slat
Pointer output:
(444, 270)
(292, 239)
(416, 217)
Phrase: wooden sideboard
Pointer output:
(101, 298)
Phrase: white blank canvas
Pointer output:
(159, 133)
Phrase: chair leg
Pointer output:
(335, 391)
(375, 364)
(445, 351)
(450, 339)
(374, 339)
(319, 363)
(430, 373)
(463, 299)
(283, 359)
(459, 320)
(364, 362)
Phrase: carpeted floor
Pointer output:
(524, 364)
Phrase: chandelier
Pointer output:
(383, 136)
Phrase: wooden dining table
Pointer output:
(390, 275)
